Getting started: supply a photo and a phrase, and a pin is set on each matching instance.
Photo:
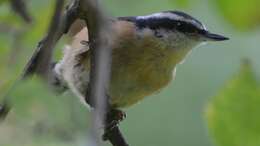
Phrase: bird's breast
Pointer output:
(139, 69)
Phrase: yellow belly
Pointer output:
(138, 72)
(128, 86)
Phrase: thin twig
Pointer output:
(101, 36)
(19, 7)
(46, 46)
(100, 63)
(68, 18)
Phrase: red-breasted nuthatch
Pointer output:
(145, 54)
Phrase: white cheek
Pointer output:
(174, 73)
(179, 41)
(145, 32)
(200, 44)
(184, 58)
(189, 52)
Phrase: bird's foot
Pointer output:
(113, 118)
(4, 110)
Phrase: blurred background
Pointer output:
(213, 101)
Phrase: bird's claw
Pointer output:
(4, 110)
(113, 118)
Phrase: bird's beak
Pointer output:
(208, 36)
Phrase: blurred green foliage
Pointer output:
(243, 14)
(61, 123)
(2, 1)
(233, 115)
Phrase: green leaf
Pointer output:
(242, 14)
(233, 115)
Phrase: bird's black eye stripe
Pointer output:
(187, 27)
(164, 23)
(158, 34)
(156, 23)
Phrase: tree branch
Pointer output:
(101, 36)
(44, 50)
(53, 36)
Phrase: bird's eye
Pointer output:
(186, 27)
(158, 34)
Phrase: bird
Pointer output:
(145, 53)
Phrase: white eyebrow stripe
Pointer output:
(204, 27)
(173, 17)
(161, 15)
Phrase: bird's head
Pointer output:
(175, 28)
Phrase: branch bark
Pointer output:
(100, 64)
(43, 55)
(58, 27)
(101, 36)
